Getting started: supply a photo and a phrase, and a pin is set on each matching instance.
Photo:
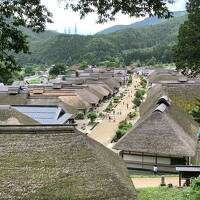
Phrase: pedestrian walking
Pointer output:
(155, 169)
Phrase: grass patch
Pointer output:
(164, 193)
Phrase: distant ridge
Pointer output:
(146, 22)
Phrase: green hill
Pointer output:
(144, 44)
(149, 21)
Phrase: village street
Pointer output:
(105, 131)
(155, 182)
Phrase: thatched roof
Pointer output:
(169, 133)
(166, 75)
(112, 83)
(152, 98)
(88, 96)
(58, 162)
(98, 90)
(75, 101)
(7, 99)
(10, 116)
(184, 96)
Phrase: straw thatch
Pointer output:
(184, 96)
(98, 90)
(7, 99)
(10, 116)
(165, 75)
(152, 98)
(76, 102)
(88, 96)
(112, 83)
(168, 133)
(58, 162)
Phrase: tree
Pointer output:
(137, 101)
(92, 116)
(196, 113)
(106, 10)
(58, 69)
(187, 51)
(83, 65)
(13, 16)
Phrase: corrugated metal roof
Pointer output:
(45, 114)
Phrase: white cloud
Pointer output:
(66, 19)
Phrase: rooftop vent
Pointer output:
(161, 108)
(164, 100)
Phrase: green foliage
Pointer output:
(29, 71)
(130, 79)
(83, 65)
(58, 69)
(195, 189)
(106, 10)
(80, 116)
(139, 94)
(196, 113)
(35, 81)
(164, 193)
(137, 101)
(187, 51)
(123, 127)
(92, 116)
(116, 99)
(15, 15)
(101, 115)
(143, 82)
(132, 115)
(123, 47)
(110, 62)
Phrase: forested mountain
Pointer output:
(150, 43)
(146, 22)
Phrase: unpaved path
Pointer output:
(154, 182)
(105, 131)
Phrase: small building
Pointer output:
(187, 172)
(165, 136)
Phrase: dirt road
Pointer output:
(105, 131)
(154, 182)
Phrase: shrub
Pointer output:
(132, 115)
(143, 82)
(195, 189)
(116, 99)
(80, 116)
(137, 101)
(123, 127)
(101, 115)
(92, 116)
(140, 93)
(130, 79)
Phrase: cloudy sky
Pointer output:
(66, 20)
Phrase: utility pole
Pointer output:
(75, 29)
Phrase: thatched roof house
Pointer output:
(10, 116)
(166, 76)
(165, 136)
(58, 162)
(112, 83)
(88, 96)
(76, 102)
(99, 91)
